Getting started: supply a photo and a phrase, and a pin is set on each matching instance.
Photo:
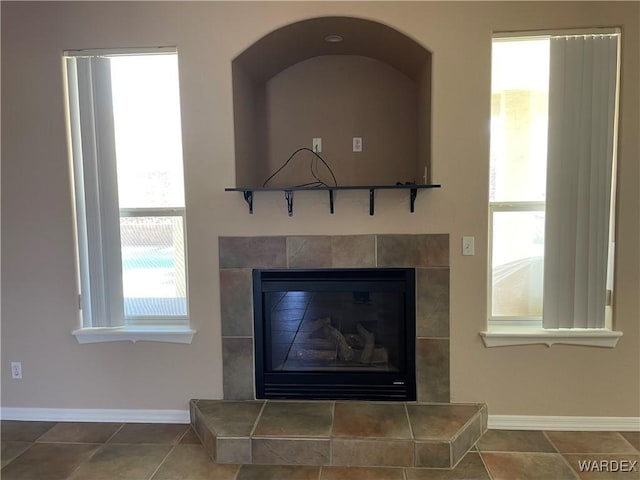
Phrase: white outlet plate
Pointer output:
(316, 144)
(357, 144)
(16, 369)
(468, 245)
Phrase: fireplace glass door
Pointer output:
(339, 333)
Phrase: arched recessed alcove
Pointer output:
(294, 84)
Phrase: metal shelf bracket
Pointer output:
(413, 193)
(371, 200)
(248, 197)
(288, 195)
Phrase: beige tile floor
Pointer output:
(114, 451)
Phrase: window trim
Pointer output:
(90, 134)
(512, 35)
(168, 334)
(119, 52)
(592, 337)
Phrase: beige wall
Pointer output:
(38, 276)
(338, 97)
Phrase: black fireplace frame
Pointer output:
(338, 385)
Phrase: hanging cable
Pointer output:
(314, 159)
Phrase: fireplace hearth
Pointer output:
(335, 333)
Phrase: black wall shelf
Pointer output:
(248, 193)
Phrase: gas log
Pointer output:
(349, 347)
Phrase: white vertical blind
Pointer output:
(582, 103)
(96, 192)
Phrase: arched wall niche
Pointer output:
(292, 85)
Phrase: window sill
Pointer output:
(134, 334)
(593, 337)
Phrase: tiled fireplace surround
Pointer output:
(428, 254)
(427, 433)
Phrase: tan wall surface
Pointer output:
(38, 274)
(336, 98)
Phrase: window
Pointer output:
(124, 116)
(519, 113)
(552, 182)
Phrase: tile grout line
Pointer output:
(450, 442)
(620, 454)
(184, 434)
(484, 464)
(102, 446)
(375, 250)
(455, 437)
(115, 433)
(627, 440)
(566, 462)
(69, 442)
(35, 440)
(31, 445)
(521, 452)
(544, 433)
(162, 461)
(413, 436)
(286, 252)
(333, 421)
(173, 447)
(255, 425)
(96, 451)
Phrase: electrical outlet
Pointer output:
(16, 369)
(316, 143)
(357, 144)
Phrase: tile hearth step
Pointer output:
(341, 433)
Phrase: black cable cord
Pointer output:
(314, 161)
(311, 184)
(313, 174)
(319, 182)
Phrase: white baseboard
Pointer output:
(95, 415)
(496, 422)
(533, 422)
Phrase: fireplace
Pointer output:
(335, 333)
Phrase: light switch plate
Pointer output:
(468, 245)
